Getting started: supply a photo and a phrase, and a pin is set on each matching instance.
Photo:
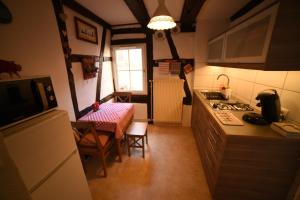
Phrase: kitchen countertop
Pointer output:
(246, 130)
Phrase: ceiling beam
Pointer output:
(138, 9)
(249, 6)
(127, 30)
(189, 13)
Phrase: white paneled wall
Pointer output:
(246, 84)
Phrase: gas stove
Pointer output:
(231, 106)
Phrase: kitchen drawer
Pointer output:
(68, 182)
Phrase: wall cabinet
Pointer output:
(241, 166)
(249, 42)
(216, 49)
(267, 41)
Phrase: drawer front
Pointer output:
(68, 182)
(38, 149)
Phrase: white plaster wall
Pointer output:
(161, 49)
(107, 52)
(86, 89)
(80, 46)
(32, 40)
(184, 43)
(140, 113)
(107, 85)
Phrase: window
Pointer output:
(130, 69)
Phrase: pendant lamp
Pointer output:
(161, 19)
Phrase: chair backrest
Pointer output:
(87, 128)
(122, 97)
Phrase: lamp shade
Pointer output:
(161, 19)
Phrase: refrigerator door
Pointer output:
(68, 182)
(39, 145)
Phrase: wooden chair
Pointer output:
(91, 142)
(122, 97)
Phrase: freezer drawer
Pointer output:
(68, 182)
(39, 145)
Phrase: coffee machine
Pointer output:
(270, 108)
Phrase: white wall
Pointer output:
(107, 85)
(86, 89)
(32, 40)
(80, 46)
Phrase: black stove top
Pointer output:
(231, 106)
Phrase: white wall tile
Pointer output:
(204, 82)
(290, 100)
(244, 90)
(292, 81)
(271, 78)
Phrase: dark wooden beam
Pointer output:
(187, 100)
(138, 9)
(105, 59)
(86, 12)
(189, 13)
(182, 60)
(127, 30)
(107, 98)
(62, 28)
(149, 46)
(78, 57)
(139, 98)
(245, 9)
(171, 45)
(98, 87)
(128, 41)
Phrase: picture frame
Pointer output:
(85, 31)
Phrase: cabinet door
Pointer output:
(249, 41)
(215, 49)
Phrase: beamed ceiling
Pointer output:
(117, 12)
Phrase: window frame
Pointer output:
(144, 67)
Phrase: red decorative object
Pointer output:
(95, 106)
(10, 67)
(88, 67)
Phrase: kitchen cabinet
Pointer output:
(268, 40)
(216, 49)
(249, 42)
(252, 164)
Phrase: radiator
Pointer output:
(167, 100)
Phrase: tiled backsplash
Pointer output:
(246, 84)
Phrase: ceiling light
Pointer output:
(161, 19)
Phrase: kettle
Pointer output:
(270, 105)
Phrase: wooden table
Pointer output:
(112, 117)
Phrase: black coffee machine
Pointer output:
(270, 108)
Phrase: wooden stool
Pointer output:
(137, 131)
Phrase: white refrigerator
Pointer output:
(39, 160)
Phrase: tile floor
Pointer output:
(171, 170)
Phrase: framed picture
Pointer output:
(85, 31)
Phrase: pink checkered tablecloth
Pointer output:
(113, 117)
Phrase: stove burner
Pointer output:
(232, 106)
